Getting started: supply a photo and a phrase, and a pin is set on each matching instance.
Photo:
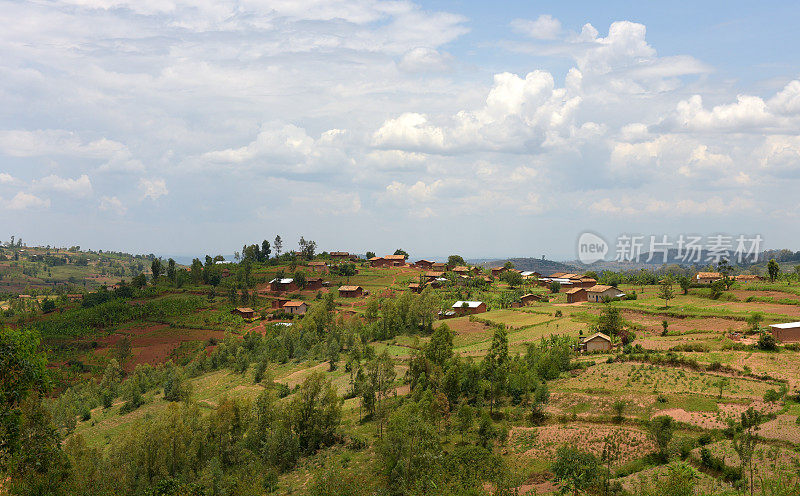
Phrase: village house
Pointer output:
(496, 271)
(786, 333)
(314, 283)
(295, 307)
(529, 298)
(318, 266)
(379, 262)
(246, 313)
(396, 260)
(468, 307)
(439, 266)
(279, 303)
(350, 291)
(576, 295)
(461, 270)
(424, 264)
(415, 287)
(707, 277)
(748, 278)
(340, 256)
(587, 282)
(596, 342)
(433, 275)
(281, 285)
(598, 292)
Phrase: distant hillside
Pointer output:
(540, 265)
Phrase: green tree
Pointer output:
(307, 248)
(619, 407)
(278, 244)
(24, 371)
(665, 291)
(514, 279)
(370, 254)
(315, 413)
(555, 287)
(496, 364)
(197, 271)
(466, 417)
(171, 272)
(610, 322)
(401, 251)
(745, 440)
(773, 269)
(455, 260)
(409, 455)
(265, 250)
(754, 320)
(684, 282)
(156, 267)
(440, 347)
(661, 429)
(576, 471)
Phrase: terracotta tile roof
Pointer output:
(599, 288)
(461, 268)
(575, 290)
(373, 259)
(395, 257)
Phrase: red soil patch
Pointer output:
(154, 344)
(466, 327)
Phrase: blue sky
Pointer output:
(488, 129)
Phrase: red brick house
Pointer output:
(529, 298)
(281, 285)
(340, 256)
(786, 333)
(246, 313)
(314, 283)
(707, 277)
(318, 266)
(496, 271)
(415, 287)
(468, 307)
(433, 275)
(351, 291)
(575, 295)
(461, 270)
(279, 303)
(379, 262)
(396, 260)
(439, 266)
(424, 264)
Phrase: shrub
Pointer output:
(767, 342)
